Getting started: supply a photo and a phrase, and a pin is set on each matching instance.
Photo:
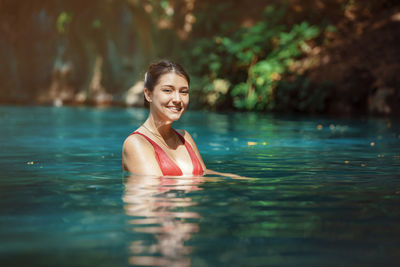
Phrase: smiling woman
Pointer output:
(155, 148)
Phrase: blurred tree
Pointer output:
(264, 55)
(22, 28)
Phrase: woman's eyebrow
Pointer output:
(167, 85)
(171, 86)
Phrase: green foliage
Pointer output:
(63, 19)
(253, 60)
(96, 23)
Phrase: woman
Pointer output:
(155, 148)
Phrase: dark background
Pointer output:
(337, 57)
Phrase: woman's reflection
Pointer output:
(160, 208)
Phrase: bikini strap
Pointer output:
(167, 166)
(197, 168)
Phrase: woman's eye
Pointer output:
(185, 92)
(167, 90)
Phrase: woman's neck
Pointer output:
(159, 127)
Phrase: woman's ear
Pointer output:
(147, 95)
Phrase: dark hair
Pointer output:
(156, 70)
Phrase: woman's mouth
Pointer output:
(175, 109)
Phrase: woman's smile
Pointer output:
(175, 109)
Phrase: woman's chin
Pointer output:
(170, 118)
(174, 116)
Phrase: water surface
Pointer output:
(327, 192)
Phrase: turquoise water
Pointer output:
(327, 192)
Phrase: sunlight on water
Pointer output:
(324, 191)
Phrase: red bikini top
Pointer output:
(167, 165)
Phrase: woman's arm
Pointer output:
(231, 175)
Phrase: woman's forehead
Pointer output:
(174, 79)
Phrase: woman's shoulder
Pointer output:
(136, 141)
(138, 155)
(182, 133)
(185, 134)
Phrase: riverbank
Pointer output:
(312, 57)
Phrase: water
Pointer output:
(327, 192)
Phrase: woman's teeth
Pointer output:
(175, 108)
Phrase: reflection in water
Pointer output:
(158, 206)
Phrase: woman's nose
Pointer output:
(176, 96)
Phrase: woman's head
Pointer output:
(166, 90)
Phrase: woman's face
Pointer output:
(170, 97)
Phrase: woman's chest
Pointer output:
(181, 158)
